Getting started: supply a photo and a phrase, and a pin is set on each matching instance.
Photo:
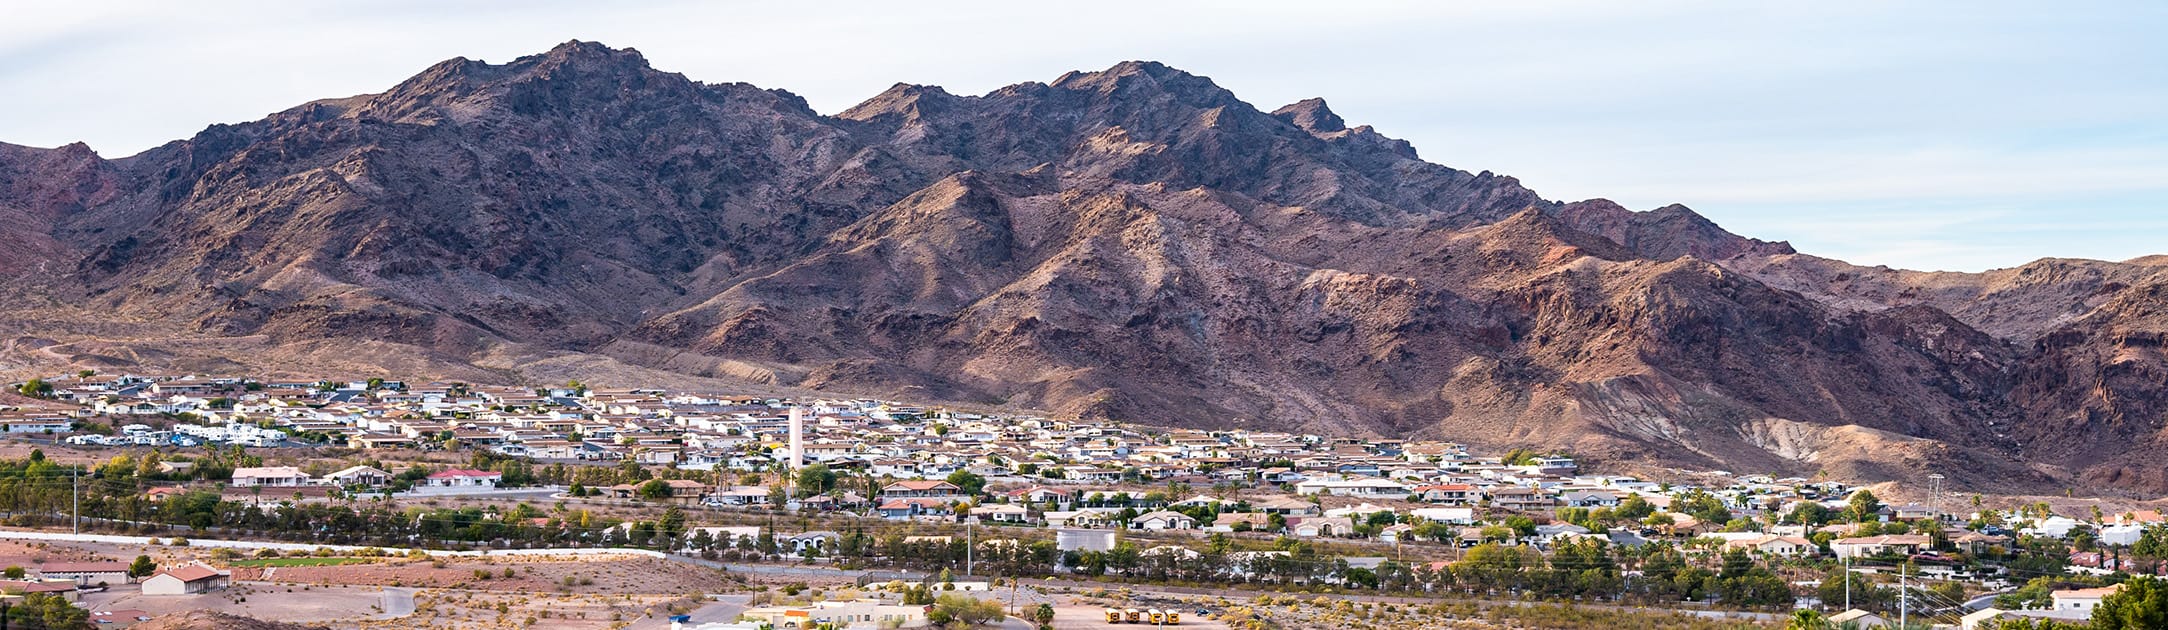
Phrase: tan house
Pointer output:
(187, 580)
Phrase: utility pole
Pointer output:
(1847, 582)
(75, 501)
(968, 547)
(1904, 593)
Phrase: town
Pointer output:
(896, 497)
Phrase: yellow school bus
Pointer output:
(1157, 616)
(1174, 616)
(1135, 616)
(1114, 616)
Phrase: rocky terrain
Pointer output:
(1134, 243)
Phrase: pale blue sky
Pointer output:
(1929, 135)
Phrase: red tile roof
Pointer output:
(193, 573)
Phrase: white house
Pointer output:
(1873, 545)
(271, 476)
(365, 476)
(1364, 488)
(1447, 515)
(2084, 599)
(461, 478)
(1163, 519)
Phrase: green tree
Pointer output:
(49, 612)
(1864, 507)
(1806, 619)
(815, 479)
(1044, 615)
(1808, 513)
(142, 567)
(35, 388)
(959, 611)
(2141, 604)
(971, 483)
(655, 489)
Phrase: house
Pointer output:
(1913, 512)
(1078, 518)
(1447, 515)
(913, 507)
(363, 476)
(742, 495)
(273, 476)
(1978, 543)
(1084, 539)
(379, 440)
(2084, 599)
(186, 580)
(1365, 488)
(1001, 513)
(866, 613)
(1043, 495)
(462, 478)
(1774, 545)
(1449, 493)
(1324, 526)
(62, 588)
(1589, 499)
(86, 573)
(921, 488)
(1163, 519)
(1520, 498)
(1877, 545)
(1230, 521)
(1286, 506)
(1856, 618)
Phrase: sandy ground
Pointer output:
(615, 576)
(317, 604)
(602, 592)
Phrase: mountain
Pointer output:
(1135, 243)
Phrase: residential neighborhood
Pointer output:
(1098, 490)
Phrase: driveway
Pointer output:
(720, 609)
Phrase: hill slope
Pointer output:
(1133, 243)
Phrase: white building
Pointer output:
(1364, 488)
(2084, 599)
(270, 476)
(187, 580)
(1084, 539)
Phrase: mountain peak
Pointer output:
(906, 99)
(1130, 75)
(1311, 115)
(577, 50)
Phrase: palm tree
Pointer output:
(1807, 619)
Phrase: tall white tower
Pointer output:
(797, 438)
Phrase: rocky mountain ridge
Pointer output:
(1133, 243)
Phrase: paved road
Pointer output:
(252, 544)
(1984, 601)
(398, 602)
